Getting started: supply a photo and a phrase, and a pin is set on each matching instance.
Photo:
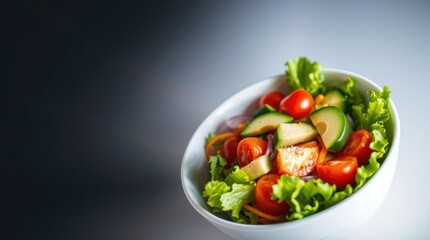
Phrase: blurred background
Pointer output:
(102, 97)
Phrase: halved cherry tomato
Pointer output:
(297, 160)
(249, 149)
(358, 146)
(272, 98)
(263, 196)
(339, 170)
(229, 149)
(297, 104)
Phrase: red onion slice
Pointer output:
(269, 148)
(233, 122)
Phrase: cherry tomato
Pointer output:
(358, 146)
(249, 149)
(297, 104)
(297, 160)
(272, 98)
(263, 196)
(340, 170)
(229, 149)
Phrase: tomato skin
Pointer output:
(339, 170)
(297, 160)
(297, 104)
(263, 196)
(272, 98)
(249, 149)
(229, 150)
(358, 146)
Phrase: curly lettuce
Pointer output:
(301, 73)
(228, 190)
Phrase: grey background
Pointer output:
(105, 95)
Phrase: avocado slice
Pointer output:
(288, 134)
(258, 167)
(333, 126)
(264, 123)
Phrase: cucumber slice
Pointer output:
(288, 134)
(264, 123)
(335, 97)
(264, 109)
(258, 167)
(333, 126)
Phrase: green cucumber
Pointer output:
(264, 109)
(288, 134)
(258, 167)
(333, 126)
(264, 123)
(335, 97)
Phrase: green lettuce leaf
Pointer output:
(216, 167)
(377, 111)
(351, 93)
(373, 119)
(301, 73)
(305, 198)
(228, 194)
(239, 195)
(237, 176)
(213, 191)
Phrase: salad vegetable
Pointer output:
(299, 153)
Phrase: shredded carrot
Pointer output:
(217, 138)
(221, 137)
(261, 214)
(318, 99)
(323, 151)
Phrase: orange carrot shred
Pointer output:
(221, 137)
(261, 214)
(323, 151)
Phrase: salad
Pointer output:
(300, 152)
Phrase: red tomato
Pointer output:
(249, 149)
(229, 149)
(297, 104)
(340, 170)
(297, 160)
(358, 146)
(272, 98)
(263, 196)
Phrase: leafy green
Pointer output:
(228, 190)
(377, 111)
(351, 93)
(305, 198)
(237, 176)
(213, 191)
(217, 164)
(238, 195)
(373, 119)
(301, 73)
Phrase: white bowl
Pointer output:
(336, 222)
